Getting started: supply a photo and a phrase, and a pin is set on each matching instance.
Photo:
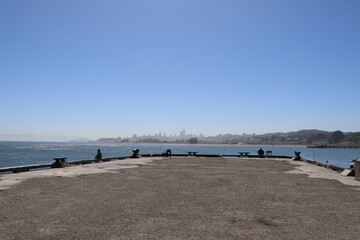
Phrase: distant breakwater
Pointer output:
(334, 146)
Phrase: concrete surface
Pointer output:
(181, 198)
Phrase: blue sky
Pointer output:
(106, 68)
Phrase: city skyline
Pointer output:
(181, 135)
(92, 69)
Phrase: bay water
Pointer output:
(27, 153)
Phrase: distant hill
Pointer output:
(308, 134)
(351, 139)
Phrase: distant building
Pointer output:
(182, 133)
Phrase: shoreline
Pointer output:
(211, 144)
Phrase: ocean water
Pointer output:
(26, 153)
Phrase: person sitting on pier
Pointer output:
(98, 156)
(297, 156)
(261, 152)
(168, 152)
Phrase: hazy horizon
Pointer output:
(92, 69)
(39, 138)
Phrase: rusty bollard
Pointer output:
(297, 156)
(136, 153)
(60, 163)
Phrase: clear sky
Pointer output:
(108, 68)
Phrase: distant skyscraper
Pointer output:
(182, 133)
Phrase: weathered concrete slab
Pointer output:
(7, 181)
(348, 172)
(182, 198)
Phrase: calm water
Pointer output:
(26, 153)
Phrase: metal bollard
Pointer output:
(297, 156)
(136, 153)
(60, 163)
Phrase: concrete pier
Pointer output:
(181, 198)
